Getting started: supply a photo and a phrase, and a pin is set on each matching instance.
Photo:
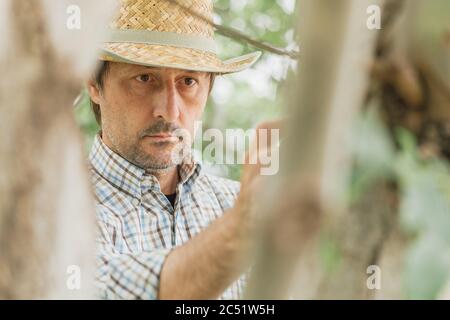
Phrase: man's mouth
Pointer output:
(163, 137)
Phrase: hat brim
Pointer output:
(175, 57)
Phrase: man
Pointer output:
(167, 229)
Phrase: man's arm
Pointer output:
(208, 263)
(125, 275)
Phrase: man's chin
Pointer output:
(156, 164)
(157, 157)
(161, 154)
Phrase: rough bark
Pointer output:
(46, 208)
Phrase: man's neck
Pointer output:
(168, 180)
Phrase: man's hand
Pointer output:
(251, 178)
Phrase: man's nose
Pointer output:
(168, 107)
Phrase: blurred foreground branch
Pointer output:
(46, 211)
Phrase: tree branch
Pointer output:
(238, 36)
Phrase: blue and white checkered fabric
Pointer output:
(138, 226)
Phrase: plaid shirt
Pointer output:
(138, 226)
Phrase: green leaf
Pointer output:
(427, 266)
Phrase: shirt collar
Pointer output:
(130, 178)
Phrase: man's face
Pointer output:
(143, 108)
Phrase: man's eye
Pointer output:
(189, 82)
(143, 78)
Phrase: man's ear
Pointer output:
(94, 91)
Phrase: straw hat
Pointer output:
(162, 33)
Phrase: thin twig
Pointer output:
(238, 36)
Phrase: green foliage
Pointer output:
(424, 199)
(85, 118)
(424, 211)
(373, 153)
(330, 254)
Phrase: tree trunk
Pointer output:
(47, 224)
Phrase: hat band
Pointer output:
(162, 38)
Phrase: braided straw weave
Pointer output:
(165, 16)
(166, 19)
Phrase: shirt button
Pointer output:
(136, 202)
